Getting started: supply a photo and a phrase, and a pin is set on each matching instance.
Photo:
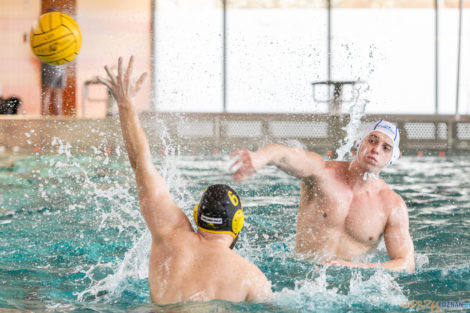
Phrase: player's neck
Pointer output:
(359, 178)
(223, 240)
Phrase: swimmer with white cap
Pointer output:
(345, 208)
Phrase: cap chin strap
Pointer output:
(234, 242)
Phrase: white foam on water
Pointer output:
(124, 216)
(133, 266)
(114, 206)
(380, 288)
(59, 307)
(421, 260)
(311, 293)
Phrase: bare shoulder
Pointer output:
(315, 156)
(394, 204)
(177, 239)
(327, 170)
(242, 274)
(389, 197)
(339, 168)
(336, 169)
(252, 268)
(339, 165)
(259, 289)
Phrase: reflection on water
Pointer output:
(73, 238)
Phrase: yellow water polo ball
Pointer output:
(56, 39)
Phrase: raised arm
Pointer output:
(294, 161)
(157, 206)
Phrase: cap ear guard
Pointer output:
(395, 155)
(237, 221)
(238, 218)
(196, 208)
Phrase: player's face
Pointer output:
(375, 151)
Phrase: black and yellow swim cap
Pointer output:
(219, 211)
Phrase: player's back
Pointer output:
(186, 267)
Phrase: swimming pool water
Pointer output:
(72, 238)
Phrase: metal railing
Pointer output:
(313, 131)
(207, 131)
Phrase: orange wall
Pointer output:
(19, 68)
(109, 28)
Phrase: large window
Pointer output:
(274, 50)
(188, 56)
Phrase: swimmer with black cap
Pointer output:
(220, 211)
(184, 265)
(345, 208)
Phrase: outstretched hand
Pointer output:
(248, 161)
(120, 85)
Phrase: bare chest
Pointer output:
(365, 220)
(359, 216)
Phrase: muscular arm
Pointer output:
(158, 208)
(294, 161)
(398, 241)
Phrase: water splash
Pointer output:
(319, 294)
(61, 146)
(368, 175)
(134, 265)
(356, 112)
(421, 260)
(168, 167)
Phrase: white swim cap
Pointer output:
(391, 131)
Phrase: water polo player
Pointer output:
(184, 265)
(220, 212)
(345, 208)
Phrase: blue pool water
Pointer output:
(72, 238)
